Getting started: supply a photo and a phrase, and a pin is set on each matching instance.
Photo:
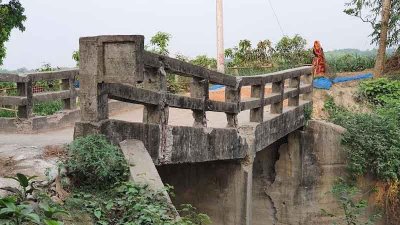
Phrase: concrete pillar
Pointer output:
(257, 114)
(25, 89)
(278, 88)
(308, 79)
(155, 80)
(232, 95)
(294, 83)
(221, 189)
(68, 84)
(107, 59)
(199, 89)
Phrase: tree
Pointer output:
(244, 55)
(160, 42)
(292, 51)
(386, 29)
(11, 16)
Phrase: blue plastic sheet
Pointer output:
(216, 87)
(325, 83)
(322, 83)
(356, 77)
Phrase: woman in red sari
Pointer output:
(319, 59)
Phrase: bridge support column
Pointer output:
(221, 189)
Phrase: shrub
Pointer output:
(372, 141)
(350, 63)
(354, 208)
(6, 113)
(127, 203)
(95, 162)
(16, 209)
(47, 108)
(380, 91)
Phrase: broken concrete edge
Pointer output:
(195, 145)
(142, 169)
(59, 120)
(183, 145)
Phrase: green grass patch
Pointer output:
(48, 108)
(7, 113)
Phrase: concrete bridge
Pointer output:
(211, 168)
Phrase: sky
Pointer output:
(53, 27)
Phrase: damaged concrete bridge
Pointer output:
(211, 168)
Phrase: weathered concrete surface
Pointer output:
(218, 189)
(59, 120)
(183, 144)
(141, 166)
(304, 174)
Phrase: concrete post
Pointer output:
(25, 89)
(294, 83)
(68, 84)
(107, 59)
(155, 80)
(257, 114)
(199, 89)
(232, 95)
(277, 88)
(308, 79)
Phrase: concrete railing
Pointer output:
(156, 100)
(26, 97)
(118, 67)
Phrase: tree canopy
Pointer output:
(369, 11)
(11, 16)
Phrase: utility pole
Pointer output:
(220, 38)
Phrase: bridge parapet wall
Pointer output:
(118, 67)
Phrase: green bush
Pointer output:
(6, 113)
(127, 203)
(353, 206)
(47, 108)
(380, 91)
(95, 162)
(350, 63)
(372, 140)
(17, 209)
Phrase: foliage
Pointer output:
(95, 162)
(350, 63)
(17, 210)
(11, 16)
(292, 51)
(308, 113)
(4, 113)
(47, 108)
(380, 91)
(204, 61)
(76, 57)
(127, 203)
(26, 186)
(371, 140)
(369, 11)
(244, 55)
(354, 208)
(160, 42)
(14, 213)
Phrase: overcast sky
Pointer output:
(54, 26)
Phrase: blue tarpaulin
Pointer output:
(325, 83)
(216, 87)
